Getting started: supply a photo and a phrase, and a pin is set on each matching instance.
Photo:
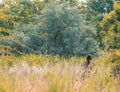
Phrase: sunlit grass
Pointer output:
(33, 73)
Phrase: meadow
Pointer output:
(38, 73)
(31, 31)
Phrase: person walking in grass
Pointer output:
(87, 62)
(87, 67)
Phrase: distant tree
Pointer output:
(34, 40)
(6, 29)
(100, 6)
(110, 28)
(5, 26)
(56, 29)
(24, 10)
(15, 13)
(71, 2)
(94, 11)
(64, 31)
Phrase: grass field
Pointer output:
(33, 73)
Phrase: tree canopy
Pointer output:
(59, 27)
(110, 28)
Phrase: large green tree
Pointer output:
(64, 31)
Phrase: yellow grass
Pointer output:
(33, 73)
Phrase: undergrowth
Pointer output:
(38, 73)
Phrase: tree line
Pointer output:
(59, 27)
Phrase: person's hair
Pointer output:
(89, 57)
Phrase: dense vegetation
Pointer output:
(38, 73)
(43, 44)
(65, 27)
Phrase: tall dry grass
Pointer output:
(32, 73)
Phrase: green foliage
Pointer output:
(71, 2)
(14, 14)
(61, 27)
(6, 26)
(110, 28)
(100, 6)
(58, 31)
(64, 32)
(24, 10)
(94, 9)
